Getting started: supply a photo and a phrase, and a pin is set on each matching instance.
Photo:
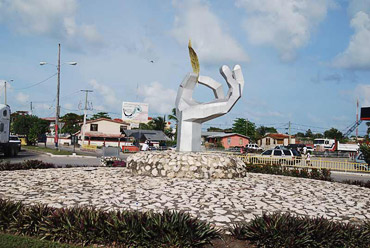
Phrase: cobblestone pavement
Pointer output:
(221, 202)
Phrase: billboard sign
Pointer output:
(135, 112)
(365, 113)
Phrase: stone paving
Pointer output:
(219, 201)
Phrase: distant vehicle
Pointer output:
(238, 149)
(283, 156)
(253, 148)
(14, 139)
(333, 145)
(360, 159)
(172, 148)
(10, 149)
(310, 149)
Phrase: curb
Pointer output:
(69, 156)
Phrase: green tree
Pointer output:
(262, 130)
(299, 134)
(318, 136)
(214, 129)
(308, 133)
(333, 133)
(71, 123)
(157, 123)
(30, 126)
(365, 149)
(173, 117)
(244, 127)
(100, 115)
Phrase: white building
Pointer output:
(104, 132)
(271, 140)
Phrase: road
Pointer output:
(95, 161)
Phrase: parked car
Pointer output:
(281, 156)
(172, 148)
(16, 140)
(253, 148)
(238, 149)
(361, 163)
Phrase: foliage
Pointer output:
(322, 174)
(308, 133)
(333, 133)
(318, 136)
(71, 123)
(365, 149)
(158, 123)
(29, 125)
(214, 129)
(299, 134)
(262, 130)
(14, 241)
(122, 228)
(286, 230)
(244, 127)
(26, 165)
(173, 117)
(358, 183)
(100, 115)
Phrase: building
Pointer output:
(227, 140)
(275, 139)
(105, 132)
(156, 137)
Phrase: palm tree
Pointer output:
(174, 118)
(158, 123)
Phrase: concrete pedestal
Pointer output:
(193, 165)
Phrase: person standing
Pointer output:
(308, 159)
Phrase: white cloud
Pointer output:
(357, 54)
(161, 99)
(356, 6)
(108, 94)
(22, 98)
(362, 91)
(284, 24)
(48, 17)
(213, 44)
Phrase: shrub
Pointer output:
(91, 226)
(285, 230)
(358, 183)
(26, 165)
(322, 174)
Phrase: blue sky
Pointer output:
(304, 61)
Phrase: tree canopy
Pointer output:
(100, 115)
(333, 133)
(244, 127)
(71, 123)
(29, 125)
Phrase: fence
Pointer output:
(310, 164)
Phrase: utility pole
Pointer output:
(289, 134)
(85, 112)
(5, 91)
(56, 139)
(357, 121)
(31, 108)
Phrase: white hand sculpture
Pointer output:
(191, 114)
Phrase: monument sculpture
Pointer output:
(188, 161)
(191, 114)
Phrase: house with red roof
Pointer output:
(271, 140)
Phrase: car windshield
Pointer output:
(277, 153)
(13, 138)
(287, 152)
(268, 152)
(296, 153)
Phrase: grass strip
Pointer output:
(47, 150)
(15, 241)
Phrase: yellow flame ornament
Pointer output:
(193, 59)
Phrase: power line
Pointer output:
(35, 84)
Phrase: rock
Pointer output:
(154, 172)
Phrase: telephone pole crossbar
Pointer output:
(85, 113)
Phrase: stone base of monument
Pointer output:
(186, 165)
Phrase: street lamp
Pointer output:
(5, 90)
(57, 111)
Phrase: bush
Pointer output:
(90, 226)
(285, 230)
(13, 241)
(322, 174)
(358, 183)
(26, 165)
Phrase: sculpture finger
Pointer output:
(234, 86)
(184, 96)
(214, 85)
(238, 76)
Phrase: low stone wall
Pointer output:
(186, 164)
